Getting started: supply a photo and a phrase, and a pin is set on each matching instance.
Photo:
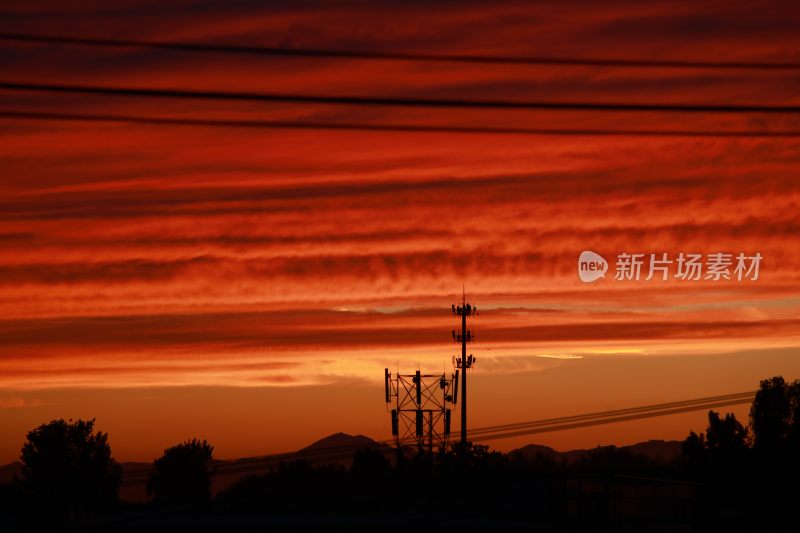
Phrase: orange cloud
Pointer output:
(134, 257)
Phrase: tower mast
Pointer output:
(464, 362)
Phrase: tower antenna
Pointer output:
(464, 362)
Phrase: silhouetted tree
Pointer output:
(183, 473)
(68, 471)
(723, 448)
(770, 416)
(793, 437)
(721, 458)
(775, 420)
(370, 466)
(726, 438)
(694, 452)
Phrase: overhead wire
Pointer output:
(484, 59)
(386, 127)
(393, 101)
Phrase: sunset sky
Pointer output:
(249, 286)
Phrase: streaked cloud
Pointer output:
(136, 257)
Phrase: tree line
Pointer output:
(742, 470)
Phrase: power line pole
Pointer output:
(464, 362)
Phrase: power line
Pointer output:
(273, 124)
(613, 420)
(395, 101)
(603, 414)
(402, 56)
(488, 433)
(343, 452)
(314, 125)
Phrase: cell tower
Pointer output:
(421, 415)
(464, 362)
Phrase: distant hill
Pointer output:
(657, 450)
(340, 441)
(337, 448)
(7, 472)
(532, 450)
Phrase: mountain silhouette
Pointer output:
(342, 441)
(656, 450)
(7, 472)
